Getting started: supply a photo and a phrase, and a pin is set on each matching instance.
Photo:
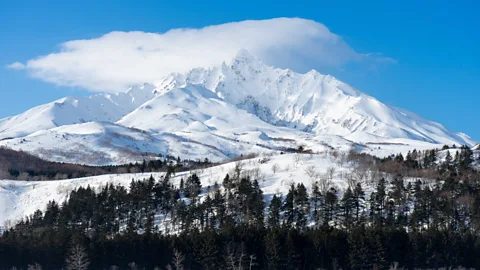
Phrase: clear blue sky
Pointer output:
(435, 43)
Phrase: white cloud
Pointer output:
(16, 65)
(117, 60)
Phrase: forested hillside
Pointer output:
(19, 165)
(399, 218)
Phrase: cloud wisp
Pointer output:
(116, 60)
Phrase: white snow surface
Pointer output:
(221, 112)
(98, 143)
(75, 110)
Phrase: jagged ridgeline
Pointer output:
(415, 211)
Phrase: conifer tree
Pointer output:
(302, 207)
(316, 201)
(348, 206)
(273, 250)
(359, 199)
(274, 212)
(288, 207)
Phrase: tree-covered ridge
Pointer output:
(19, 165)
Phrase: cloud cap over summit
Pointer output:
(118, 59)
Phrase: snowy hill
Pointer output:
(221, 112)
(21, 198)
(98, 143)
(74, 110)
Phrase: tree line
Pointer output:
(19, 165)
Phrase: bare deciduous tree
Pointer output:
(351, 181)
(296, 160)
(230, 256)
(77, 258)
(256, 173)
(394, 266)
(335, 264)
(342, 159)
(35, 266)
(275, 168)
(324, 183)
(359, 173)
(235, 257)
(178, 259)
(237, 171)
(133, 266)
(330, 173)
(311, 171)
(253, 261)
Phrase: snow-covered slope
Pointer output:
(197, 115)
(192, 108)
(74, 110)
(220, 112)
(94, 143)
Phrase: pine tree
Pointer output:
(256, 206)
(448, 158)
(274, 212)
(273, 250)
(398, 194)
(359, 199)
(208, 251)
(316, 201)
(377, 203)
(330, 208)
(377, 253)
(302, 208)
(288, 207)
(348, 206)
(193, 187)
(293, 253)
(219, 207)
(465, 159)
(358, 254)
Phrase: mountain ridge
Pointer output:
(301, 112)
(237, 107)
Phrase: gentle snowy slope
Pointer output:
(191, 108)
(74, 110)
(94, 143)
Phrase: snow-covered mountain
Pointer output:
(310, 102)
(235, 108)
(75, 110)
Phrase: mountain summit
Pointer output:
(310, 102)
(240, 106)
